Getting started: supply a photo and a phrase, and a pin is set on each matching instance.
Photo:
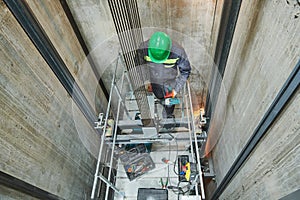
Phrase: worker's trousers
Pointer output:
(160, 91)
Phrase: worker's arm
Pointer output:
(184, 69)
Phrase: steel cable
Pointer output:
(127, 23)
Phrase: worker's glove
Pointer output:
(148, 86)
(170, 94)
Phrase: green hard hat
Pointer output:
(159, 47)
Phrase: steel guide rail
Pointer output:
(42, 42)
(287, 91)
(84, 47)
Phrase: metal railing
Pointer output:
(187, 111)
(97, 175)
(193, 134)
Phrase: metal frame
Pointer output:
(193, 133)
(40, 39)
(97, 175)
(115, 131)
(152, 139)
(112, 141)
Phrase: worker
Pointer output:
(168, 65)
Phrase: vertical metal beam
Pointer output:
(230, 12)
(96, 176)
(35, 32)
(285, 94)
(84, 46)
(292, 196)
(26, 188)
(196, 142)
(115, 130)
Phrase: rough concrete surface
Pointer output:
(273, 169)
(52, 18)
(264, 52)
(39, 140)
(47, 142)
(190, 23)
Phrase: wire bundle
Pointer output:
(179, 189)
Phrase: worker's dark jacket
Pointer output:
(173, 72)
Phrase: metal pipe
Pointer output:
(191, 140)
(122, 101)
(190, 134)
(150, 140)
(196, 143)
(183, 101)
(108, 183)
(103, 134)
(189, 127)
(114, 137)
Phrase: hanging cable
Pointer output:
(127, 23)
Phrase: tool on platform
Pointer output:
(187, 170)
(164, 184)
(169, 98)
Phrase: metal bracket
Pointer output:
(99, 123)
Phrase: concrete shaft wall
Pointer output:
(264, 52)
(45, 139)
(47, 142)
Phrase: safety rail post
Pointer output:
(120, 97)
(196, 143)
(115, 133)
(191, 128)
(184, 100)
(97, 175)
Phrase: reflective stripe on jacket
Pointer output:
(167, 63)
